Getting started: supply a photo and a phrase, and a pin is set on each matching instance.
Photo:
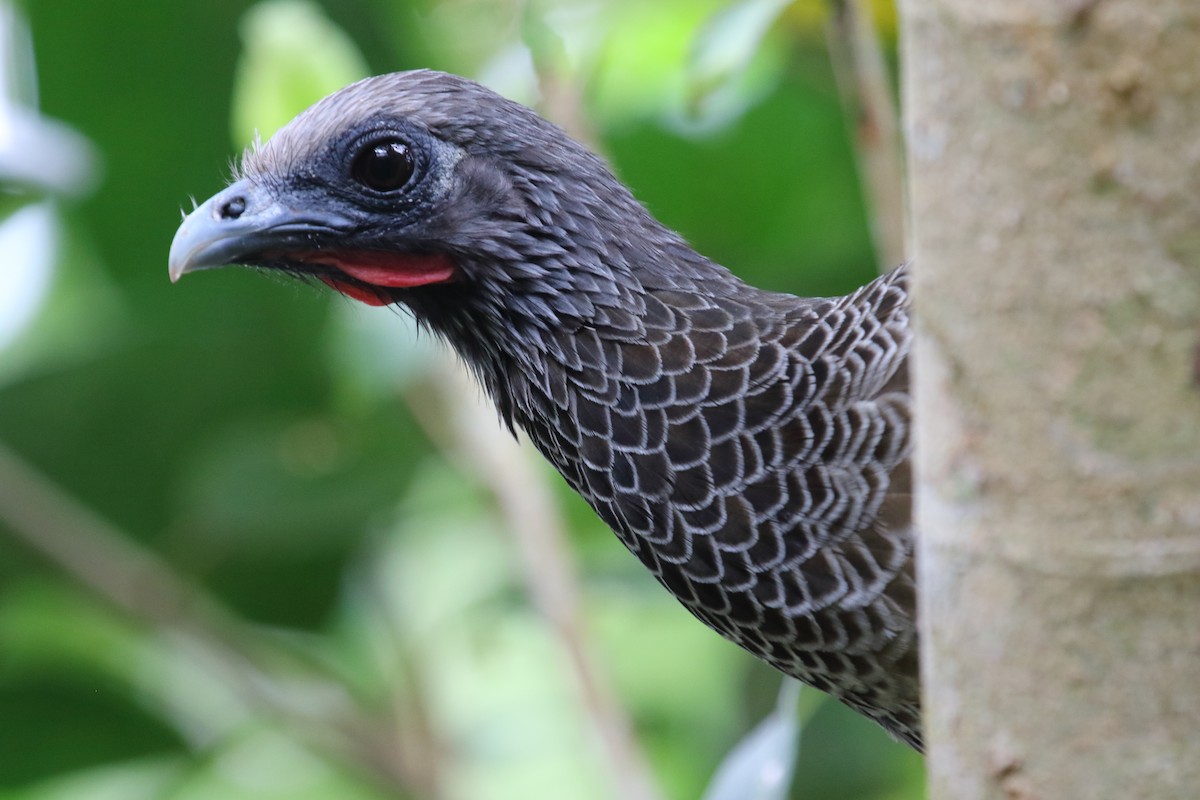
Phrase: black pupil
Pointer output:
(384, 166)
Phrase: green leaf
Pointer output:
(144, 779)
(44, 624)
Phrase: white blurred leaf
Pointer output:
(38, 158)
(730, 38)
(42, 156)
(29, 241)
(731, 63)
(37, 155)
(760, 767)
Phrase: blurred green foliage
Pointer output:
(254, 434)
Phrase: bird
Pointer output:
(751, 448)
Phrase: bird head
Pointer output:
(491, 225)
(430, 190)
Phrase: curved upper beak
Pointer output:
(242, 222)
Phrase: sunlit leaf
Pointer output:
(45, 623)
(293, 55)
(640, 74)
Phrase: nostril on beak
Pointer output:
(232, 208)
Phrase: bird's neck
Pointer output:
(521, 324)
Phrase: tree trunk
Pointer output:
(1054, 147)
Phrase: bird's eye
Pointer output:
(383, 166)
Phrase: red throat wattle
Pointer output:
(375, 271)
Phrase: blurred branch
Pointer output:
(139, 583)
(454, 415)
(863, 81)
(93, 552)
(561, 87)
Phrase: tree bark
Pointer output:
(1054, 150)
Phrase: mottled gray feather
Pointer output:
(750, 448)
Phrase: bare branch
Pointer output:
(136, 581)
(866, 91)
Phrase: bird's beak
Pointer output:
(243, 222)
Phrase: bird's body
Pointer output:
(750, 448)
